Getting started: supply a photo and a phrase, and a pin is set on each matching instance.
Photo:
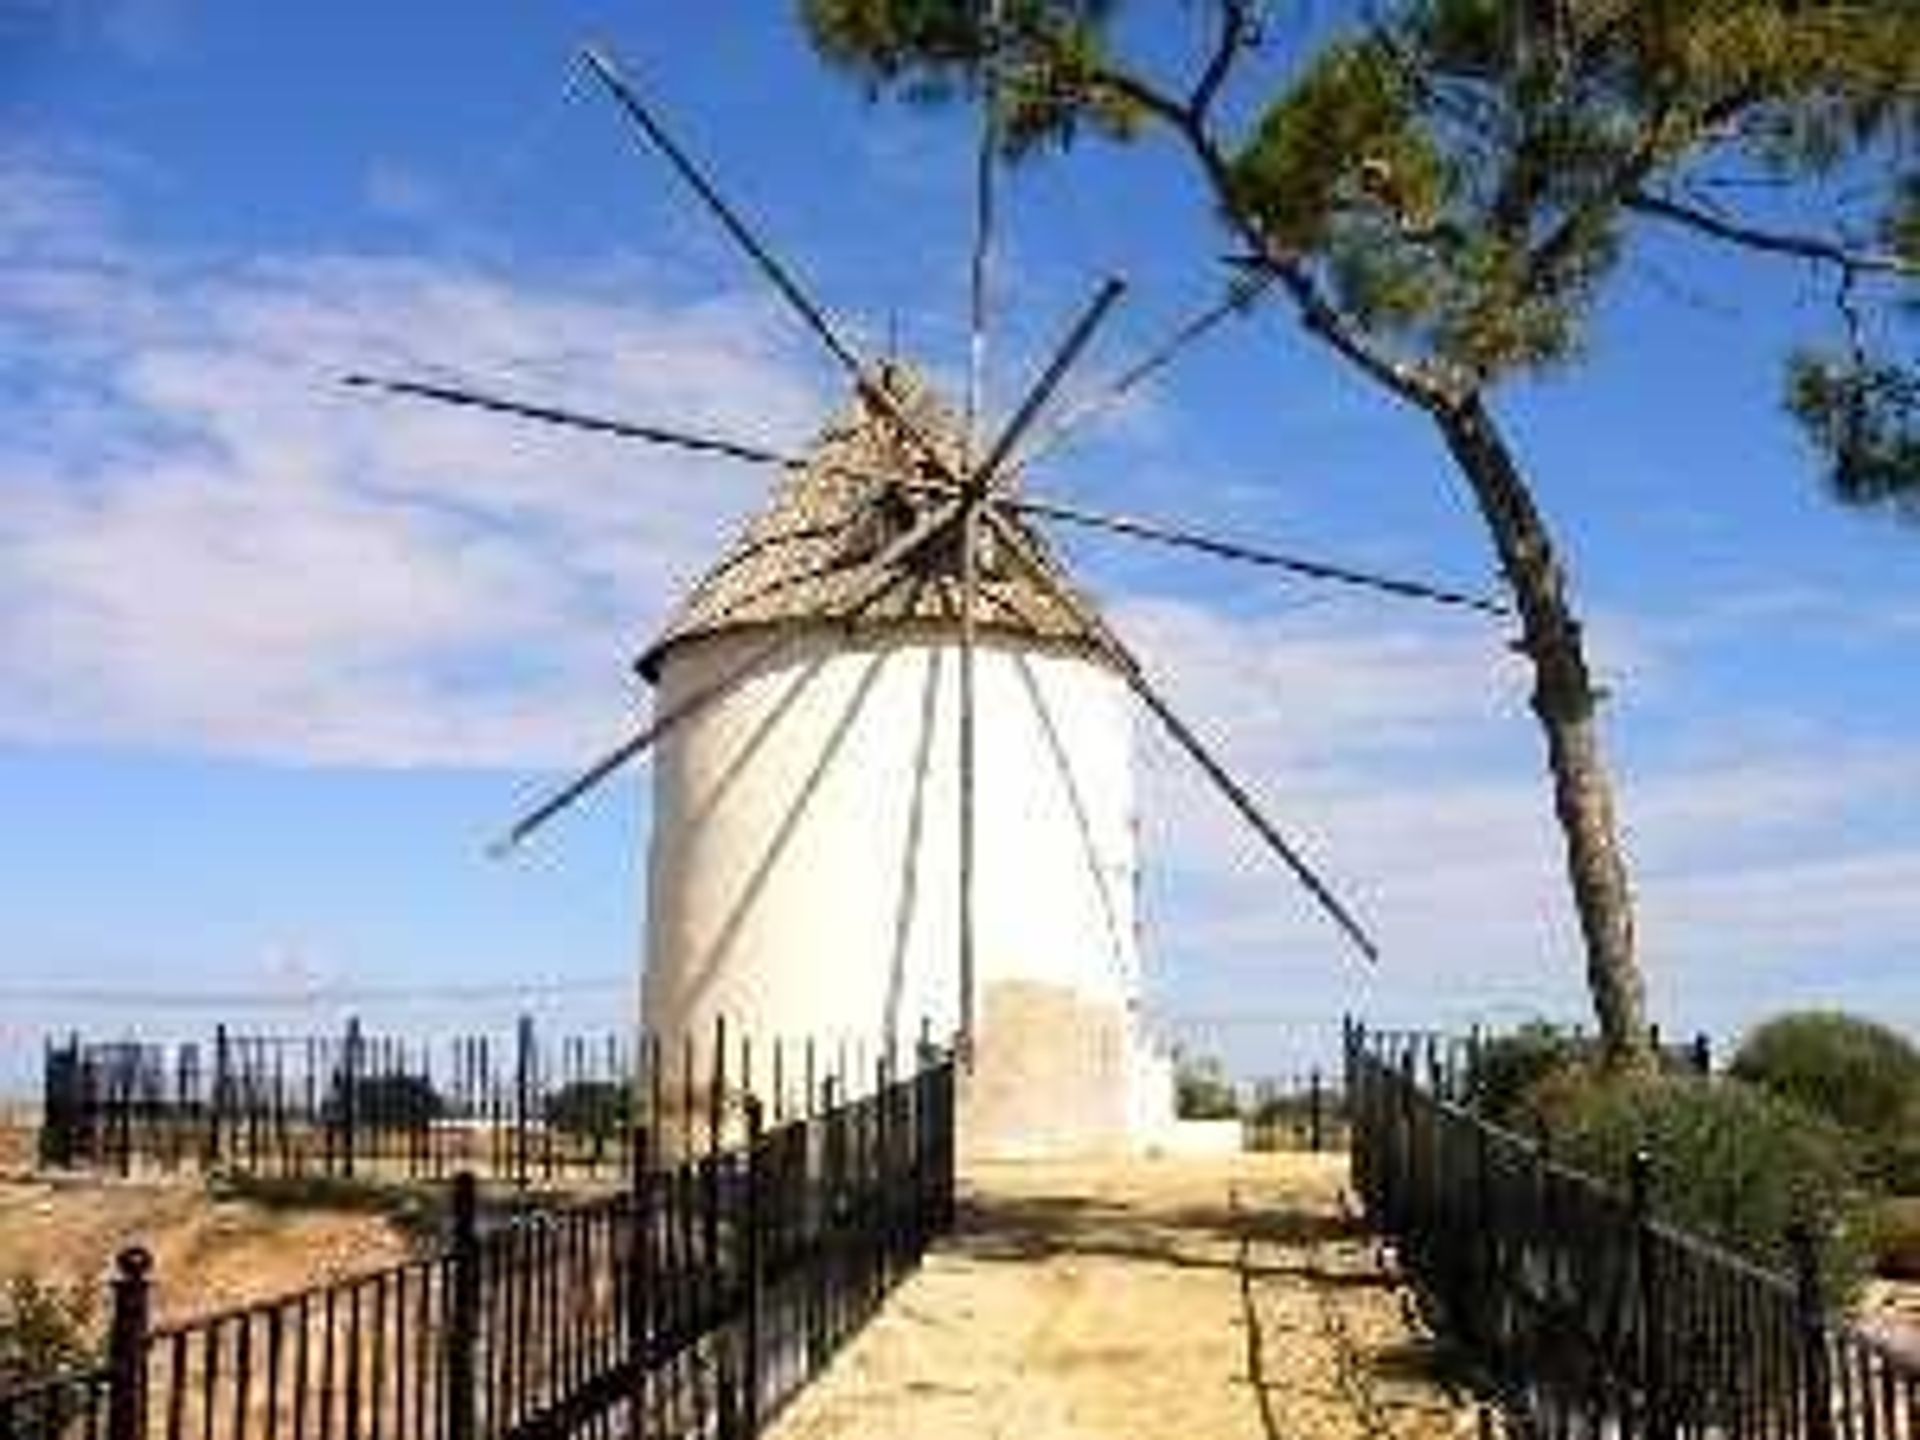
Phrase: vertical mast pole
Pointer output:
(978, 274)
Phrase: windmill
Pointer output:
(891, 687)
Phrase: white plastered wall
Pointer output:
(804, 867)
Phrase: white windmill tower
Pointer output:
(806, 822)
(893, 764)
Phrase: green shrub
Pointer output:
(1862, 1076)
(1201, 1091)
(391, 1099)
(591, 1109)
(1896, 1161)
(44, 1329)
(1730, 1162)
(1504, 1071)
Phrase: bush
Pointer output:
(44, 1329)
(1505, 1071)
(1201, 1091)
(1730, 1162)
(1862, 1076)
(1896, 1162)
(591, 1109)
(391, 1100)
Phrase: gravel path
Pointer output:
(1163, 1300)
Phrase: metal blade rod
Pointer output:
(571, 419)
(1236, 794)
(660, 725)
(668, 436)
(1163, 534)
(969, 602)
(608, 74)
(636, 744)
(1241, 294)
(1110, 291)
(980, 261)
(1031, 505)
(811, 314)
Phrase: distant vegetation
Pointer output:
(591, 1109)
(1201, 1090)
(395, 1100)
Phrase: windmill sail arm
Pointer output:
(1240, 296)
(783, 280)
(1161, 533)
(1049, 380)
(1236, 794)
(672, 438)
(891, 575)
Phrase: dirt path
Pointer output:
(1164, 1300)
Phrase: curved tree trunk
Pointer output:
(1565, 702)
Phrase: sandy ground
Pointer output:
(1890, 1311)
(1163, 1299)
(208, 1255)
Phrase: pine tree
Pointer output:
(1441, 192)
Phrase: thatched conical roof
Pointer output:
(816, 549)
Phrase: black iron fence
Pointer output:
(693, 1302)
(1589, 1314)
(525, 1106)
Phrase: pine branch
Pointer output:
(1319, 314)
(1236, 27)
(1187, 117)
(1773, 242)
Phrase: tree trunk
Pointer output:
(1564, 701)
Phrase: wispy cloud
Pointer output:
(206, 543)
(1399, 753)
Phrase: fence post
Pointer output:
(463, 1317)
(1816, 1371)
(1406, 1161)
(1653, 1326)
(919, 1156)
(642, 1281)
(127, 1345)
(216, 1097)
(1316, 1113)
(349, 1096)
(1489, 1304)
(522, 1096)
(754, 1225)
(1360, 1128)
(60, 1103)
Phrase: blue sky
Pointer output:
(276, 661)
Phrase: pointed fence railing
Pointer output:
(1587, 1313)
(526, 1105)
(695, 1301)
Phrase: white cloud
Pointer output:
(1400, 754)
(206, 543)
